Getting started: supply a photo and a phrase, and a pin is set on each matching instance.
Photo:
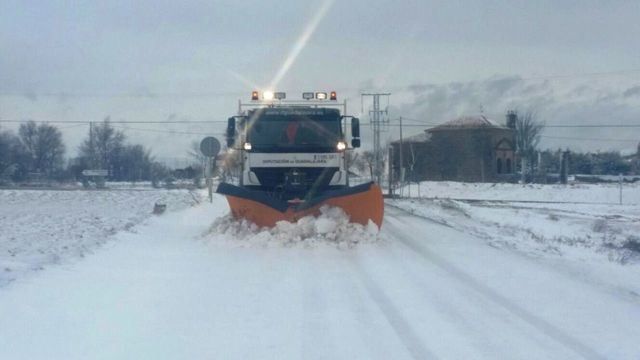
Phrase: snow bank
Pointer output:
(332, 227)
(585, 232)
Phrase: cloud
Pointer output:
(632, 91)
(30, 95)
(555, 104)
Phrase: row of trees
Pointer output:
(37, 152)
(591, 163)
(107, 148)
(528, 132)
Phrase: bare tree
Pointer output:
(635, 162)
(369, 158)
(352, 159)
(528, 131)
(103, 145)
(195, 154)
(231, 165)
(44, 147)
(133, 163)
(9, 148)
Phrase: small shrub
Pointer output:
(454, 206)
(632, 243)
(600, 226)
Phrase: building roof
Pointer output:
(421, 137)
(418, 138)
(468, 122)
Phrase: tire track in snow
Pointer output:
(401, 326)
(398, 209)
(569, 273)
(354, 294)
(431, 296)
(315, 329)
(542, 325)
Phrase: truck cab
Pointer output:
(292, 151)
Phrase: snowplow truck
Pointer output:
(294, 161)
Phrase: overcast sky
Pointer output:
(193, 60)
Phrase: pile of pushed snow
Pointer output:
(332, 226)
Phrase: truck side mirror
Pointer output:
(231, 132)
(355, 127)
(355, 133)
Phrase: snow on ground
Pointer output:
(585, 231)
(427, 291)
(584, 193)
(331, 227)
(43, 227)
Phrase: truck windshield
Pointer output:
(303, 131)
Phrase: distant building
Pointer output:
(469, 148)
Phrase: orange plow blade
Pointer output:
(361, 203)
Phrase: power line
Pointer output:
(587, 139)
(422, 124)
(124, 95)
(71, 126)
(595, 126)
(169, 131)
(117, 121)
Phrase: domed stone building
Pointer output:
(468, 148)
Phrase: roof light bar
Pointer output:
(308, 95)
(280, 95)
(255, 95)
(333, 96)
(321, 96)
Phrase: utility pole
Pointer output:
(401, 170)
(376, 125)
(620, 182)
(93, 150)
(390, 168)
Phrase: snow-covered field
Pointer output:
(582, 193)
(44, 227)
(452, 281)
(578, 221)
(575, 231)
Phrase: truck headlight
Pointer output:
(341, 145)
(247, 146)
(267, 95)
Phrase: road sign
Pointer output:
(95, 172)
(210, 146)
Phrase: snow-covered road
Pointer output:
(425, 291)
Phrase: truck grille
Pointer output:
(274, 177)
